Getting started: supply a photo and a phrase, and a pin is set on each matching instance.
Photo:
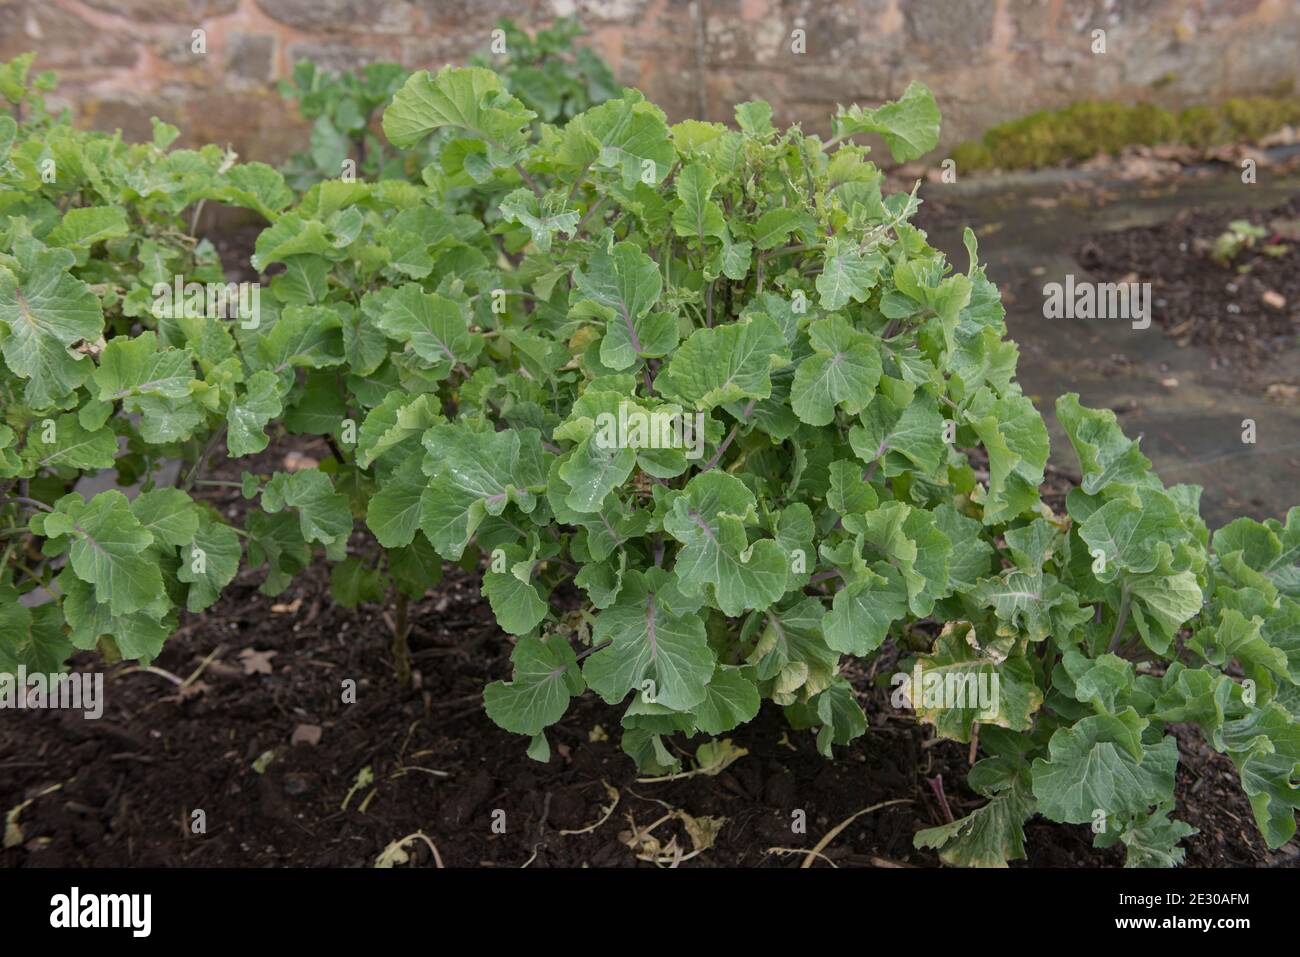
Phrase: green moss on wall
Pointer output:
(1083, 130)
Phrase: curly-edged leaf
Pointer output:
(515, 601)
(435, 328)
(543, 217)
(398, 418)
(476, 474)
(790, 651)
(168, 514)
(622, 285)
(698, 216)
(1236, 637)
(708, 518)
(720, 365)
(849, 494)
(1032, 604)
(309, 337)
(1133, 532)
(469, 99)
(990, 836)
(258, 187)
(108, 549)
(137, 366)
(1102, 765)
(1168, 599)
(909, 125)
(1013, 432)
(1105, 682)
(296, 235)
(914, 544)
(594, 469)
(626, 134)
(44, 311)
(775, 226)
(86, 225)
(249, 414)
(732, 260)
(209, 563)
(394, 511)
(849, 274)
(972, 556)
(323, 514)
(546, 676)
(863, 610)
(1150, 840)
(304, 282)
(903, 438)
(31, 637)
(843, 371)
(663, 655)
(1106, 455)
(1265, 746)
(730, 700)
(70, 447)
(137, 636)
(960, 685)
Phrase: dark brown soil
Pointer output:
(128, 784)
(1246, 311)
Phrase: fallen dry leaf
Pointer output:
(256, 662)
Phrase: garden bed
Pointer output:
(273, 673)
(1244, 311)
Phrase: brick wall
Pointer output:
(987, 60)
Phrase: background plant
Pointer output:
(548, 71)
(93, 378)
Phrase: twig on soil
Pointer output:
(395, 853)
(835, 831)
(800, 850)
(541, 831)
(411, 767)
(153, 670)
(202, 666)
(407, 740)
(131, 756)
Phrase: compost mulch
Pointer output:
(263, 744)
(1244, 313)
